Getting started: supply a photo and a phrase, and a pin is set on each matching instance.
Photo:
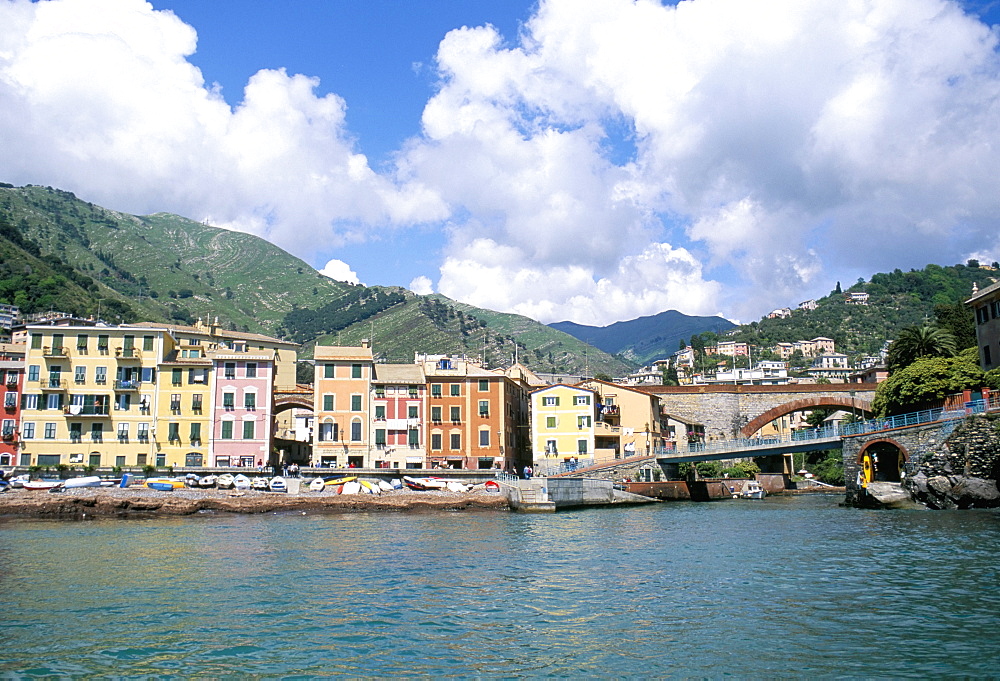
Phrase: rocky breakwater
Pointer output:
(964, 472)
(137, 502)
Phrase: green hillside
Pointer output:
(85, 258)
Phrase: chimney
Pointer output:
(365, 343)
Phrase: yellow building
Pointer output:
(342, 385)
(628, 421)
(129, 395)
(562, 423)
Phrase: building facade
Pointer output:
(342, 396)
(563, 421)
(986, 305)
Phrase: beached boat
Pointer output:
(41, 484)
(456, 486)
(352, 487)
(174, 483)
(396, 483)
(126, 480)
(341, 481)
(424, 484)
(224, 481)
(160, 485)
(259, 483)
(369, 487)
(17, 482)
(385, 486)
(191, 480)
(241, 482)
(752, 490)
(317, 485)
(89, 481)
(277, 484)
(208, 481)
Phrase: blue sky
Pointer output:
(591, 160)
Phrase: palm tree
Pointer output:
(915, 342)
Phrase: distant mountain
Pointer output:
(645, 339)
(58, 252)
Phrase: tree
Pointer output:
(915, 342)
(838, 290)
(926, 382)
(600, 376)
(958, 319)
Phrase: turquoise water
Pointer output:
(786, 587)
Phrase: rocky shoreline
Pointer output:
(88, 503)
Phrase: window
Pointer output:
(123, 433)
(355, 402)
(81, 343)
(147, 343)
(97, 432)
(33, 372)
(484, 407)
(175, 376)
(196, 403)
(57, 341)
(123, 402)
(230, 370)
(228, 401)
(174, 432)
(328, 432)
(27, 430)
(551, 448)
(328, 370)
(413, 438)
(982, 315)
(413, 391)
(582, 400)
(355, 371)
(250, 401)
(100, 375)
(380, 391)
(249, 430)
(102, 343)
(436, 414)
(380, 438)
(412, 411)
(484, 385)
(148, 375)
(583, 422)
(197, 376)
(175, 403)
(128, 342)
(327, 402)
(456, 414)
(36, 341)
(48, 459)
(581, 446)
(550, 421)
(355, 431)
(436, 441)
(380, 412)
(995, 309)
(435, 389)
(456, 390)
(227, 430)
(80, 374)
(550, 401)
(456, 441)
(987, 360)
(484, 438)
(195, 434)
(75, 432)
(142, 432)
(29, 401)
(10, 400)
(54, 402)
(251, 369)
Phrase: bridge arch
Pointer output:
(284, 402)
(806, 403)
(881, 460)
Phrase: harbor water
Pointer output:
(787, 587)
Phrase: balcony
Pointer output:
(127, 353)
(9, 436)
(10, 406)
(127, 385)
(54, 352)
(11, 381)
(54, 383)
(602, 428)
(92, 410)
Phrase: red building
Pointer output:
(12, 373)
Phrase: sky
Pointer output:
(584, 160)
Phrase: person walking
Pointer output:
(527, 472)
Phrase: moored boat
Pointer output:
(160, 485)
(317, 485)
(208, 481)
(161, 482)
(351, 487)
(369, 487)
(41, 484)
(225, 481)
(385, 486)
(241, 482)
(277, 484)
(89, 481)
(341, 481)
(424, 484)
(752, 490)
(259, 483)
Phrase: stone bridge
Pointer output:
(301, 396)
(732, 411)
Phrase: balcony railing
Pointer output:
(127, 353)
(54, 351)
(53, 383)
(86, 410)
(127, 385)
(12, 381)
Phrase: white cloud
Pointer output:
(422, 286)
(97, 96)
(338, 270)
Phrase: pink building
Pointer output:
(398, 407)
(242, 408)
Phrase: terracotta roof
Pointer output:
(321, 352)
(399, 373)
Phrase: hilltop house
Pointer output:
(986, 304)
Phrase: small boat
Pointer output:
(41, 484)
(317, 485)
(277, 484)
(126, 480)
(191, 480)
(423, 484)
(173, 482)
(160, 485)
(341, 481)
(752, 490)
(456, 486)
(369, 487)
(492, 486)
(396, 483)
(352, 487)
(225, 481)
(208, 481)
(385, 486)
(241, 482)
(18, 481)
(90, 481)
(259, 483)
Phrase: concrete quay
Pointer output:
(547, 495)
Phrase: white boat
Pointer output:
(385, 486)
(317, 485)
(456, 487)
(752, 490)
(396, 483)
(241, 482)
(260, 483)
(18, 481)
(90, 481)
(352, 487)
(41, 484)
(277, 484)
(225, 481)
(208, 481)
